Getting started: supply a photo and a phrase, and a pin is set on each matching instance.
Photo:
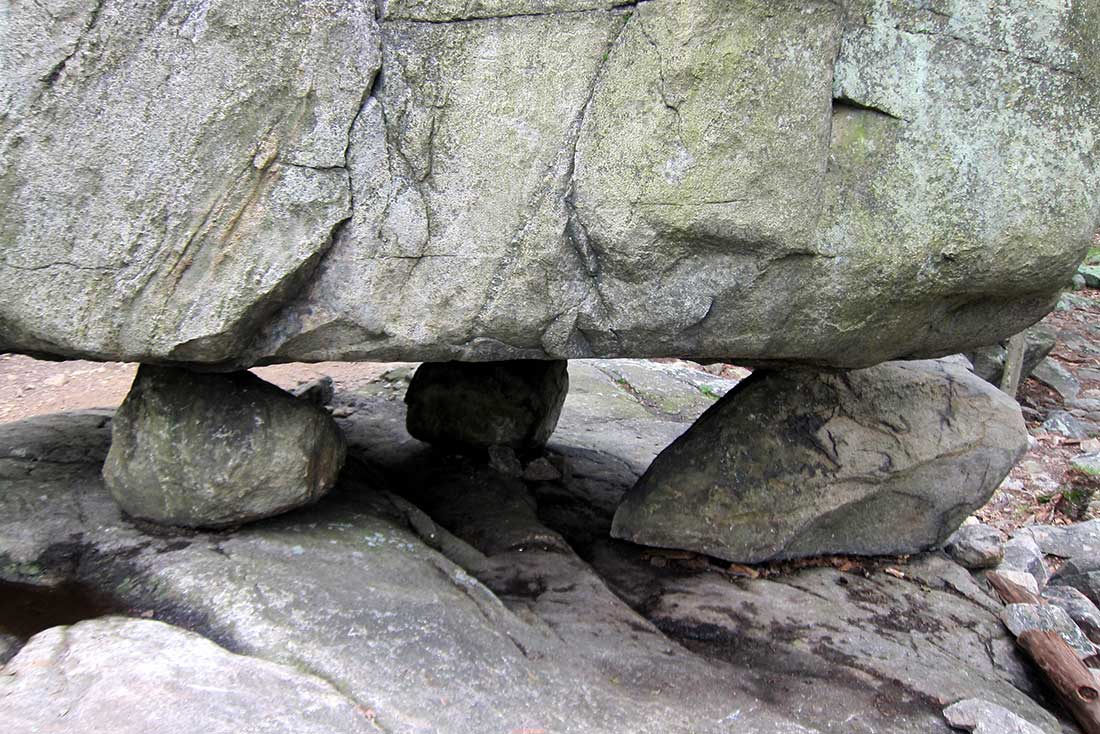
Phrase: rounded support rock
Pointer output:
(483, 404)
(214, 450)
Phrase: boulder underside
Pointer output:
(233, 182)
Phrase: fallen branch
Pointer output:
(1011, 592)
(1076, 685)
(1014, 365)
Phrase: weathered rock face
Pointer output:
(885, 460)
(514, 404)
(1020, 618)
(210, 450)
(982, 717)
(1083, 574)
(1023, 555)
(9, 646)
(171, 172)
(1082, 611)
(839, 183)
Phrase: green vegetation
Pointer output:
(709, 392)
(1075, 502)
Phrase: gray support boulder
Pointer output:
(797, 463)
(213, 450)
(514, 404)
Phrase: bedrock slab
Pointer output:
(131, 676)
(885, 460)
(441, 596)
(230, 182)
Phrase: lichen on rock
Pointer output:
(831, 183)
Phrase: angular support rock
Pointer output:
(886, 460)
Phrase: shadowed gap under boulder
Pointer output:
(27, 609)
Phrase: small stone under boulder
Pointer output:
(483, 404)
(215, 450)
(976, 546)
(886, 460)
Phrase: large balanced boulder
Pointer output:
(212, 450)
(886, 460)
(462, 404)
(835, 182)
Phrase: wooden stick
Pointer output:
(1010, 592)
(1075, 684)
(1014, 364)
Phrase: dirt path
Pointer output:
(1031, 492)
(30, 387)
